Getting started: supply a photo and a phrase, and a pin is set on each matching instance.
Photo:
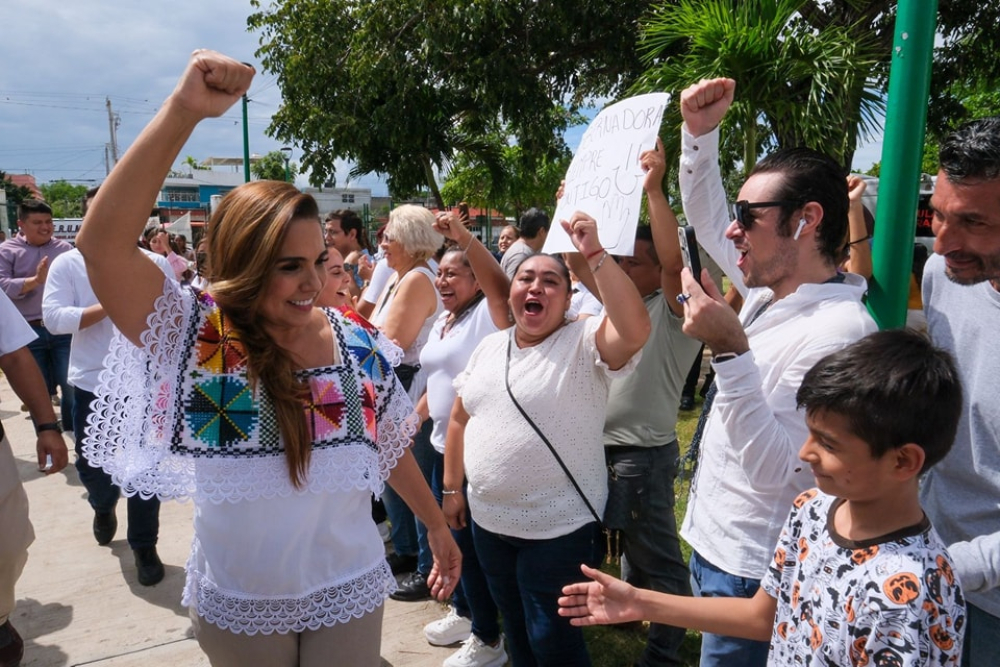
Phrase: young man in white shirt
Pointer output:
(69, 306)
(779, 244)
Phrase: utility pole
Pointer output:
(246, 136)
(113, 121)
(905, 120)
(246, 143)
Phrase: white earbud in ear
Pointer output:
(802, 223)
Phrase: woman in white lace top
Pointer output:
(277, 418)
(532, 526)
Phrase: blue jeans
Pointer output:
(404, 536)
(719, 650)
(982, 639)
(526, 578)
(472, 598)
(643, 477)
(143, 514)
(51, 353)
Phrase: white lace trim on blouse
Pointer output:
(141, 435)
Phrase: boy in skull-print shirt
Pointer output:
(891, 600)
(859, 576)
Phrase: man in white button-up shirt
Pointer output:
(779, 244)
(69, 306)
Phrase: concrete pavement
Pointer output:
(80, 604)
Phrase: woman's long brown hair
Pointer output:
(244, 238)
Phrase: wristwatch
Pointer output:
(49, 426)
(725, 356)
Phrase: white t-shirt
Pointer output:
(411, 355)
(516, 487)
(380, 278)
(445, 357)
(67, 294)
(583, 303)
(14, 330)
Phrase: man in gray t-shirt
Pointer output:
(961, 292)
(534, 225)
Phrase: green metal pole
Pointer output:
(902, 150)
(246, 143)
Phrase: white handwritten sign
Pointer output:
(605, 179)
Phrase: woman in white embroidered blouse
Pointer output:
(531, 527)
(279, 419)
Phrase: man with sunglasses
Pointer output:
(779, 244)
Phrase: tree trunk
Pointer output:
(431, 182)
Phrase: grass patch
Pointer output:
(611, 646)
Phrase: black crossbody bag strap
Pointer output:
(506, 380)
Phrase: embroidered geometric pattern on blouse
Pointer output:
(357, 319)
(325, 409)
(220, 412)
(219, 348)
(364, 348)
(370, 409)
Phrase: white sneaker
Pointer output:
(476, 653)
(449, 630)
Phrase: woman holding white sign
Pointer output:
(527, 425)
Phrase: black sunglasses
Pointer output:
(741, 210)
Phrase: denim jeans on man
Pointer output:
(982, 639)
(143, 514)
(403, 524)
(51, 353)
(526, 578)
(718, 650)
(643, 477)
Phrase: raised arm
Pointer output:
(702, 194)
(663, 225)
(209, 86)
(626, 326)
(491, 278)
(859, 260)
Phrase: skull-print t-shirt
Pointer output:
(890, 601)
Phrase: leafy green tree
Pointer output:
(796, 86)
(271, 167)
(15, 195)
(65, 198)
(193, 164)
(403, 87)
(516, 191)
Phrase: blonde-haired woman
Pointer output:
(277, 418)
(405, 313)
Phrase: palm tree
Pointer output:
(796, 86)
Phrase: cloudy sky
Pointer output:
(62, 59)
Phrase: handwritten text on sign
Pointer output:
(604, 179)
